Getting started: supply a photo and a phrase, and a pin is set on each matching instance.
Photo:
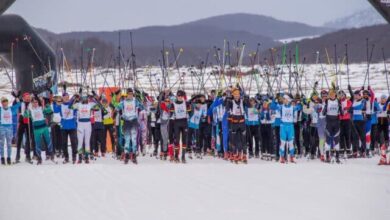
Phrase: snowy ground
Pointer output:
(201, 189)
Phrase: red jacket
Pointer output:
(346, 105)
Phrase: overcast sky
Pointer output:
(107, 15)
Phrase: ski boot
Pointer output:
(282, 160)
(171, 158)
(338, 157)
(39, 160)
(127, 157)
(231, 157)
(237, 158)
(183, 158)
(327, 157)
(383, 160)
(134, 158)
(226, 156)
(9, 161)
(176, 159)
(86, 158)
(74, 159)
(66, 160)
(368, 153)
(244, 158)
(161, 155)
(80, 160)
(165, 156)
(2, 161)
(28, 160)
(250, 155)
(292, 160)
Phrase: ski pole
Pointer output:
(347, 59)
(387, 74)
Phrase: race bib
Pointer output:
(6, 116)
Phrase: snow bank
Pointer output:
(201, 189)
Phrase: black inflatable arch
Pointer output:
(33, 59)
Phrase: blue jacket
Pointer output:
(375, 110)
(66, 123)
(357, 110)
(275, 109)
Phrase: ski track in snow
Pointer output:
(202, 189)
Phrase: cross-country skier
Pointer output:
(179, 111)
(252, 121)
(383, 128)
(204, 126)
(55, 127)
(345, 122)
(332, 110)
(24, 129)
(358, 111)
(195, 116)
(37, 112)
(235, 106)
(84, 128)
(287, 111)
(369, 97)
(298, 124)
(128, 109)
(68, 124)
(275, 116)
(155, 128)
(313, 109)
(108, 122)
(164, 115)
(98, 137)
(266, 129)
(6, 122)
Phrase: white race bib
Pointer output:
(253, 114)
(6, 116)
(84, 111)
(180, 110)
(66, 112)
(37, 114)
(287, 114)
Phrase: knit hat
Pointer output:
(357, 92)
(287, 97)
